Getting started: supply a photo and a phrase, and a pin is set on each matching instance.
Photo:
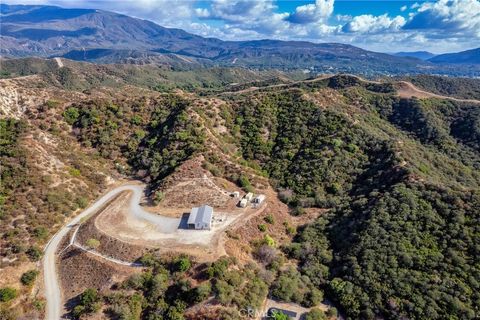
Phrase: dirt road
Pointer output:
(404, 89)
(52, 289)
(407, 90)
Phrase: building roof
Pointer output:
(202, 214)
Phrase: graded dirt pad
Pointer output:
(192, 186)
(80, 270)
(127, 229)
(408, 90)
(117, 223)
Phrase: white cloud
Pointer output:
(403, 8)
(310, 13)
(439, 26)
(239, 11)
(343, 17)
(448, 16)
(415, 5)
(202, 12)
(368, 23)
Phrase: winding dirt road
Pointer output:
(53, 293)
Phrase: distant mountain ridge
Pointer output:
(422, 55)
(463, 57)
(107, 37)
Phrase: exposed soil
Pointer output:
(408, 90)
(109, 246)
(191, 185)
(80, 270)
(116, 222)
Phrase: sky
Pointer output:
(379, 25)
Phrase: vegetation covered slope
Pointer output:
(402, 179)
(81, 76)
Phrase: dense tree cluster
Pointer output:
(401, 239)
(165, 290)
(153, 136)
(317, 156)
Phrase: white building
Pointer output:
(200, 218)
(248, 196)
(259, 199)
(243, 203)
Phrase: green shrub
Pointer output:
(245, 184)
(158, 198)
(332, 312)
(268, 240)
(7, 294)
(40, 233)
(74, 172)
(202, 292)
(278, 315)
(82, 202)
(90, 302)
(262, 227)
(92, 243)
(290, 230)
(182, 264)
(298, 211)
(269, 219)
(34, 253)
(28, 278)
(315, 314)
(71, 115)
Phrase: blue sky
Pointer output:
(387, 26)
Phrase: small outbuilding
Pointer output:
(243, 203)
(249, 196)
(200, 218)
(259, 199)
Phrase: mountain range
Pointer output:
(107, 37)
(422, 55)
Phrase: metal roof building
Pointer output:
(200, 218)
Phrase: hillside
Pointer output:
(465, 88)
(383, 190)
(107, 37)
(423, 55)
(81, 76)
(463, 57)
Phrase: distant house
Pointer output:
(249, 196)
(200, 218)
